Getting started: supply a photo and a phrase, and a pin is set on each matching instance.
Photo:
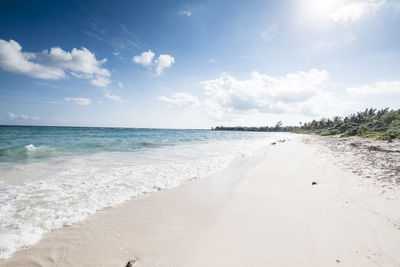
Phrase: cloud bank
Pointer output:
(54, 64)
(306, 93)
(263, 93)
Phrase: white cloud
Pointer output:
(186, 13)
(354, 11)
(297, 92)
(263, 93)
(54, 64)
(211, 60)
(116, 98)
(12, 116)
(306, 94)
(163, 61)
(120, 85)
(14, 60)
(147, 59)
(379, 88)
(115, 53)
(100, 81)
(181, 99)
(270, 33)
(79, 100)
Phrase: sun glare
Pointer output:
(320, 8)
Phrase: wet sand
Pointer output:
(262, 211)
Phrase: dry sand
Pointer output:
(256, 213)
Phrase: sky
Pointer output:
(196, 64)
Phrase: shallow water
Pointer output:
(51, 177)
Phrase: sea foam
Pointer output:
(70, 188)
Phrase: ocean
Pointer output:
(51, 177)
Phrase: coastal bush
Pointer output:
(371, 123)
(393, 132)
(350, 132)
(362, 130)
(329, 131)
(376, 126)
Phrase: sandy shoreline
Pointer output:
(262, 212)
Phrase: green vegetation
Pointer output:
(277, 128)
(383, 124)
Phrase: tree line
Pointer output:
(277, 128)
(381, 124)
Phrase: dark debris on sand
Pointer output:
(131, 262)
(365, 157)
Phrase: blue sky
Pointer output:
(196, 64)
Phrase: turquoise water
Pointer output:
(19, 143)
(51, 177)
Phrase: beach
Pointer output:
(200, 133)
(259, 211)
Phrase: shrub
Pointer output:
(350, 132)
(393, 133)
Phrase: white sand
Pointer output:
(258, 213)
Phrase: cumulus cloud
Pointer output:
(147, 59)
(181, 99)
(120, 85)
(354, 11)
(163, 61)
(14, 60)
(302, 93)
(117, 98)
(263, 93)
(79, 100)
(53, 64)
